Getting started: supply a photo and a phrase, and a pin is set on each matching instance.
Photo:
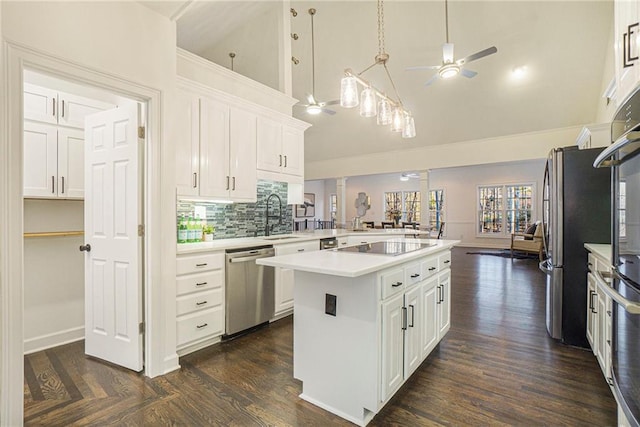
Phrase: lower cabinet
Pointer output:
(199, 301)
(599, 315)
(284, 276)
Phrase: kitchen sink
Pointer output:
(279, 237)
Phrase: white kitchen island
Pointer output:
(364, 322)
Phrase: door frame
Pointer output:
(157, 338)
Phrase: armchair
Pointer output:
(528, 242)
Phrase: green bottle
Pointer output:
(182, 230)
(191, 230)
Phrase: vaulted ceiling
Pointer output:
(563, 45)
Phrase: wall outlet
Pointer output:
(330, 303)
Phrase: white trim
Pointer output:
(160, 356)
(55, 339)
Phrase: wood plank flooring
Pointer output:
(496, 366)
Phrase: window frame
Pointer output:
(504, 232)
(403, 205)
(439, 213)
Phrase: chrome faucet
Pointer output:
(267, 228)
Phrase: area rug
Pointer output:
(505, 253)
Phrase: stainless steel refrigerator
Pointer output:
(576, 209)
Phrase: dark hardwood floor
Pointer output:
(496, 366)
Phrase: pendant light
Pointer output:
(389, 110)
(409, 128)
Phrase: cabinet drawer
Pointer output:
(412, 274)
(392, 282)
(294, 248)
(429, 267)
(199, 301)
(198, 282)
(196, 263)
(592, 264)
(444, 261)
(200, 325)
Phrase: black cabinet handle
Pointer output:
(201, 265)
(201, 302)
(201, 326)
(413, 309)
(413, 276)
(404, 318)
(395, 285)
(201, 284)
(439, 294)
(431, 268)
(447, 261)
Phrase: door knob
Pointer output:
(86, 248)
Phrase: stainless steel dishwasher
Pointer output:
(249, 289)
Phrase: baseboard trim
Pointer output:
(55, 339)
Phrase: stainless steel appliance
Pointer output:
(249, 289)
(575, 210)
(328, 243)
(386, 248)
(624, 157)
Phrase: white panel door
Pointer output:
(392, 345)
(40, 160)
(187, 115)
(113, 285)
(215, 180)
(70, 163)
(269, 145)
(242, 156)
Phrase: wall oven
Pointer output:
(623, 283)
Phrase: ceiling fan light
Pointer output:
(397, 120)
(448, 71)
(314, 109)
(368, 105)
(349, 92)
(409, 129)
(384, 112)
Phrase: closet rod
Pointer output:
(54, 234)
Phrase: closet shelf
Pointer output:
(54, 234)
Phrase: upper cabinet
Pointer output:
(216, 154)
(59, 108)
(626, 47)
(280, 148)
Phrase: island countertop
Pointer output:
(348, 264)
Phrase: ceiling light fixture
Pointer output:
(519, 72)
(372, 100)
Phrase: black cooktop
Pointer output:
(386, 248)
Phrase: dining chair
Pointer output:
(387, 224)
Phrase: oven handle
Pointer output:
(604, 159)
(602, 278)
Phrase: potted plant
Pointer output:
(207, 231)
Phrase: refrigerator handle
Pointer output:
(545, 267)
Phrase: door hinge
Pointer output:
(141, 327)
(141, 230)
(141, 132)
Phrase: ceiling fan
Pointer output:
(450, 68)
(313, 106)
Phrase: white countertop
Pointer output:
(348, 264)
(301, 236)
(600, 249)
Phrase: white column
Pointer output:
(424, 199)
(341, 193)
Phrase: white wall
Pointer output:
(605, 112)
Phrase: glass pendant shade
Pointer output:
(397, 120)
(349, 92)
(409, 129)
(368, 105)
(384, 112)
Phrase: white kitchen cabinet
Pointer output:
(217, 155)
(592, 316)
(392, 345)
(55, 107)
(444, 303)
(366, 237)
(53, 161)
(413, 333)
(284, 277)
(626, 47)
(430, 328)
(280, 147)
(199, 301)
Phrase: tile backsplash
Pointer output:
(245, 219)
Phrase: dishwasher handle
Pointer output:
(247, 258)
(251, 255)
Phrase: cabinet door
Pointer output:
(242, 156)
(40, 104)
(444, 306)
(413, 347)
(73, 109)
(40, 160)
(187, 142)
(392, 345)
(70, 163)
(591, 323)
(429, 326)
(214, 180)
(626, 46)
(601, 339)
(269, 146)
(283, 290)
(293, 150)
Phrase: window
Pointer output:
(402, 206)
(436, 209)
(504, 209)
(333, 206)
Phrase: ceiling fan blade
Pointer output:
(447, 53)
(327, 111)
(488, 51)
(334, 102)
(300, 104)
(432, 80)
(422, 67)
(468, 73)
